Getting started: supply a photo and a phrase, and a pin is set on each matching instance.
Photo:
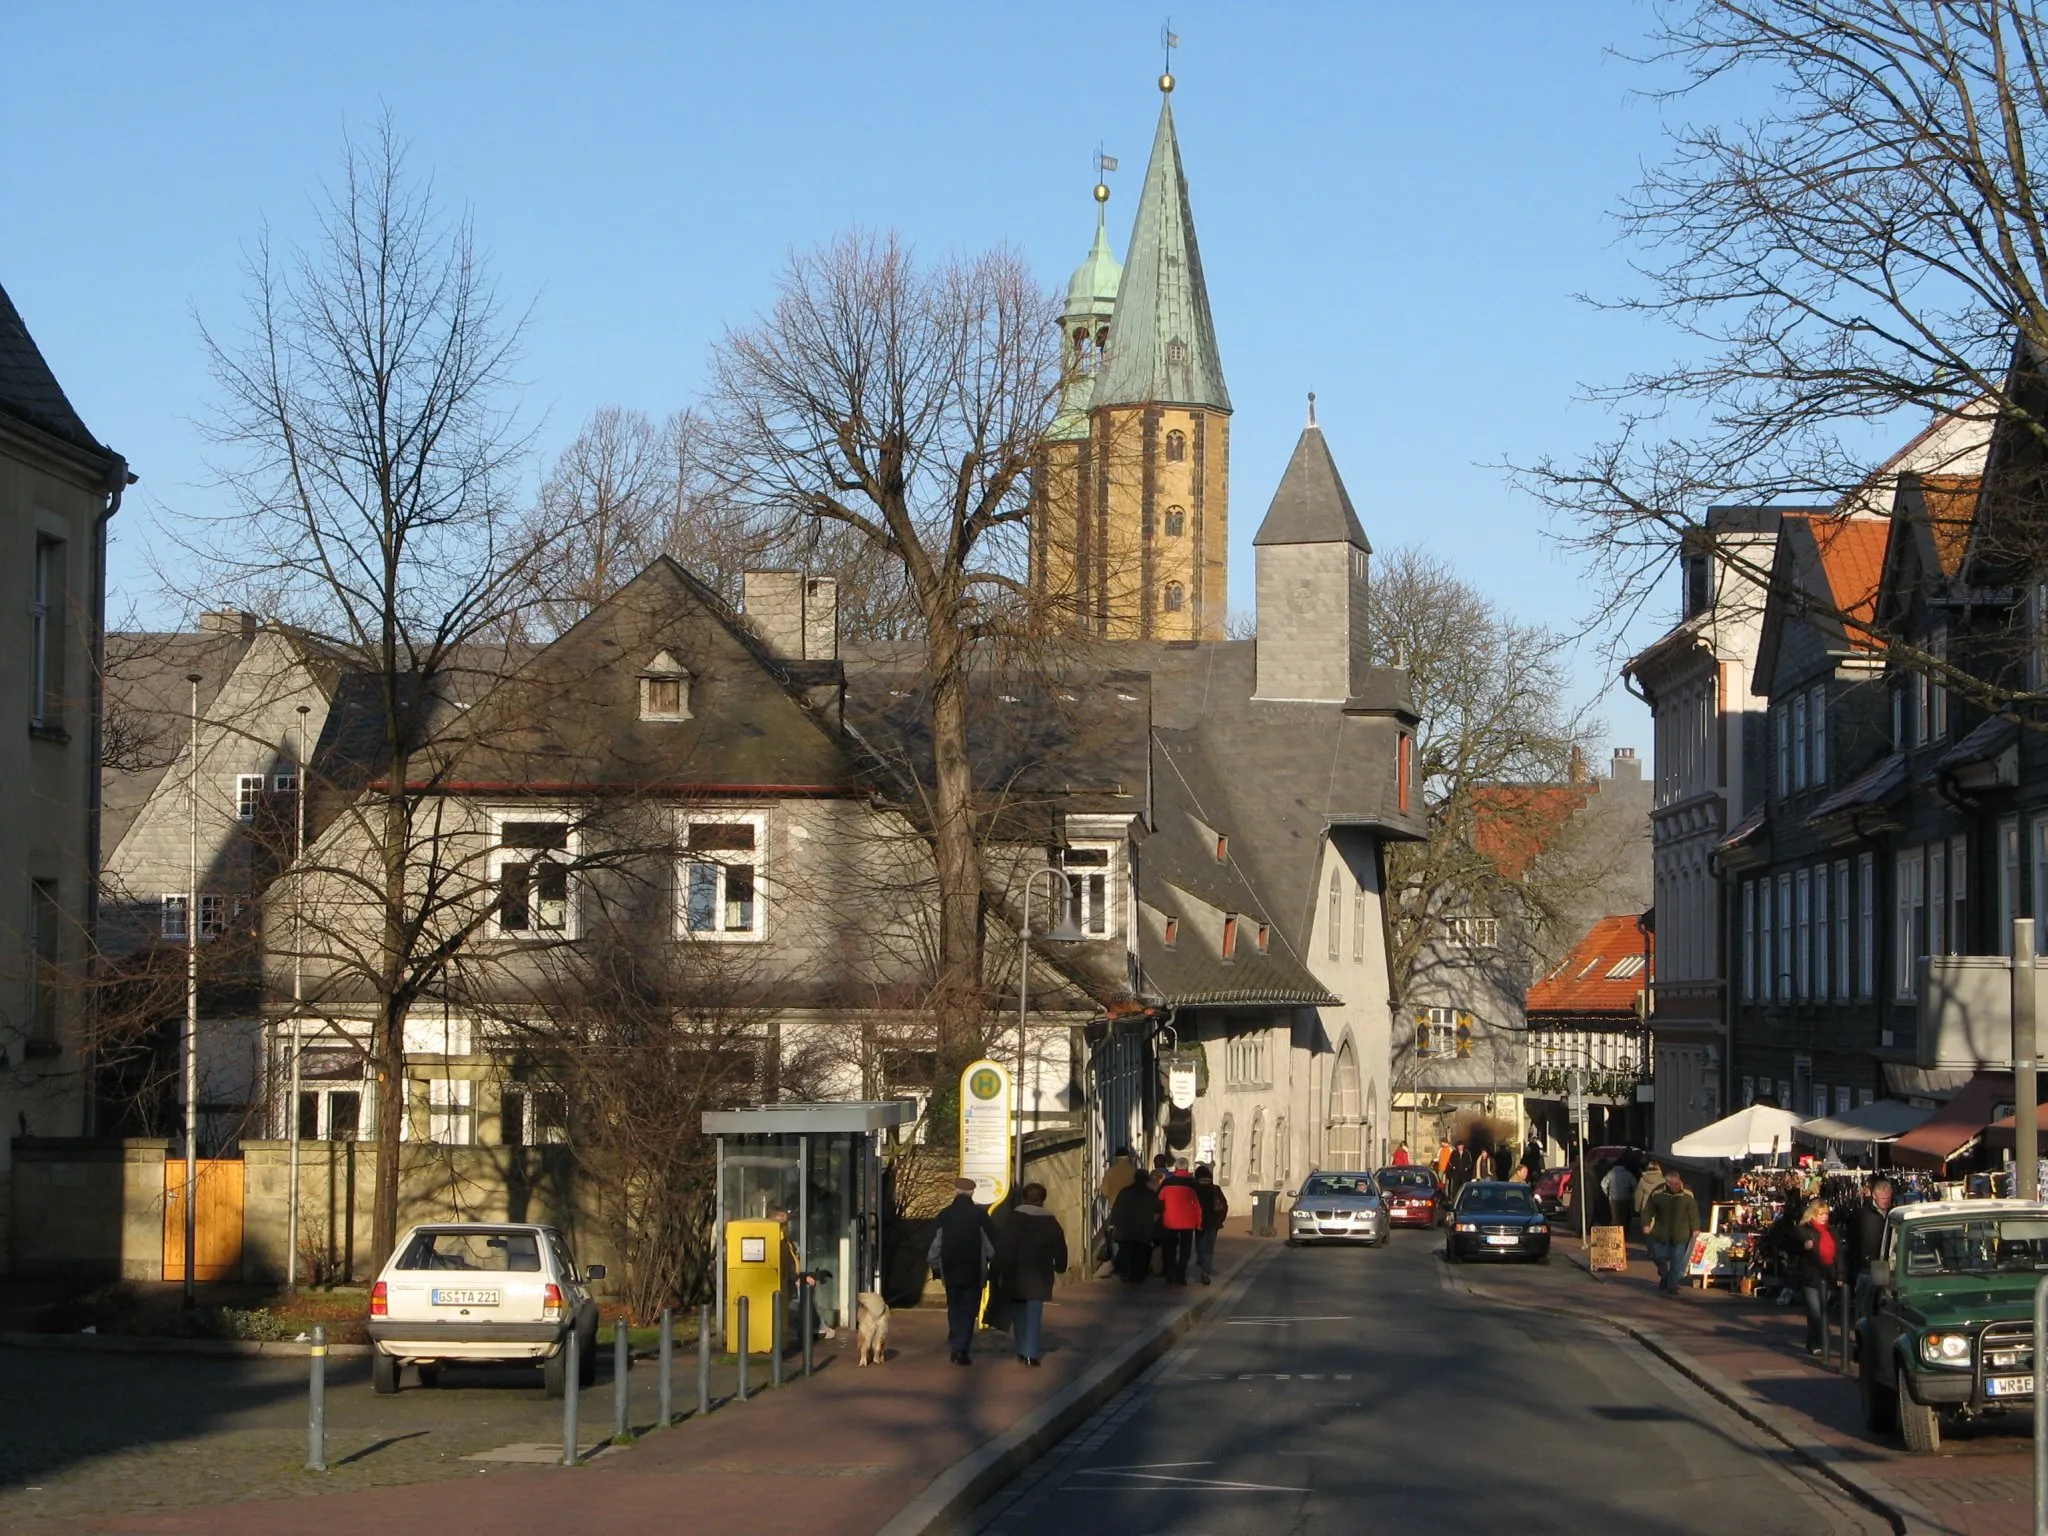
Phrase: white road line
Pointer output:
(1199, 1482)
(1150, 1466)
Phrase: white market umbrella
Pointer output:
(1751, 1132)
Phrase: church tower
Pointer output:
(1314, 581)
(1144, 526)
(1084, 335)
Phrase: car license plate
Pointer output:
(2010, 1386)
(465, 1298)
(1503, 1242)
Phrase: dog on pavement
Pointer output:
(871, 1315)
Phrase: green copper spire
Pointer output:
(1091, 302)
(1164, 349)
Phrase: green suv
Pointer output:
(1947, 1326)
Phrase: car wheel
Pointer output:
(1450, 1252)
(1880, 1402)
(1919, 1425)
(554, 1373)
(1543, 1257)
(586, 1365)
(430, 1374)
(1293, 1242)
(383, 1374)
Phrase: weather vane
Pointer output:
(1104, 164)
(1168, 40)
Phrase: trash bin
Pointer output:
(1264, 1202)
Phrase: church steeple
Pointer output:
(1084, 326)
(1163, 347)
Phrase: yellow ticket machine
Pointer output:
(757, 1266)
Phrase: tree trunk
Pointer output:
(957, 998)
(389, 1044)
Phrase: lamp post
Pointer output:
(1063, 932)
(191, 1051)
(291, 1236)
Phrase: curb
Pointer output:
(963, 1487)
(138, 1344)
(1908, 1516)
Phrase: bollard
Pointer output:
(703, 1361)
(808, 1321)
(573, 1377)
(777, 1324)
(2040, 1409)
(1848, 1338)
(740, 1352)
(316, 1406)
(668, 1365)
(622, 1362)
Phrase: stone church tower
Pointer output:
(1132, 531)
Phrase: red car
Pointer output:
(1413, 1196)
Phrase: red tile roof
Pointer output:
(1951, 509)
(1513, 823)
(1852, 559)
(1604, 973)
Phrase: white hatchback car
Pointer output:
(482, 1292)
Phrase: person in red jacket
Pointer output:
(1181, 1215)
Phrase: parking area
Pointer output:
(95, 1434)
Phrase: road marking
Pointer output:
(1150, 1466)
(1214, 1484)
(1280, 1322)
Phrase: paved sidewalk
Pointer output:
(1980, 1485)
(838, 1455)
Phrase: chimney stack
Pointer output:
(796, 616)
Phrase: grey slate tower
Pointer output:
(1314, 580)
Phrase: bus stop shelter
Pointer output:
(822, 1164)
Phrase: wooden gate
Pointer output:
(217, 1246)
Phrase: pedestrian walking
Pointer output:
(1119, 1175)
(1180, 1214)
(1215, 1211)
(1400, 1154)
(1819, 1269)
(1646, 1186)
(1131, 1222)
(1674, 1216)
(1620, 1188)
(1532, 1160)
(962, 1244)
(1502, 1160)
(1460, 1173)
(1030, 1249)
(1443, 1159)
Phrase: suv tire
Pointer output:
(1919, 1425)
(383, 1373)
(1880, 1402)
(554, 1372)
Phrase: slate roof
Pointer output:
(1990, 737)
(29, 391)
(1162, 342)
(1311, 505)
(148, 704)
(1877, 784)
(1603, 974)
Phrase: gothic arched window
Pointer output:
(1175, 596)
(1176, 447)
(1176, 522)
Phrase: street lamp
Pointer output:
(291, 1240)
(1064, 932)
(190, 1064)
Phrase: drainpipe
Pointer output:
(119, 478)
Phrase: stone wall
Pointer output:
(90, 1209)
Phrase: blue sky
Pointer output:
(1395, 203)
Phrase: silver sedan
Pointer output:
(1333, 1207)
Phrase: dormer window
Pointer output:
(1089, 892)
(1230, 935)
(1264, 937)
(1172, 932)
(665, 690)
(1222, 849)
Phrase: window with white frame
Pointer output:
(46, 635)
(451, 1118)
(2037, 620)
(533, 1117)
(1799, 741)
(172, 915)
(1473, 932)
(1766, 916)
(331, 1112)
(45, 921)
(1842, 924)
(1823, 931)
(1091, 892)
(1336, 917)
(1866, 925)
(1937, 691)
(1817, 712)
(1910, 925)
(1358, 916)
(1245, 1061)
(1749, 941)
(1937, 899)
(248, 795)
(1782, 988)
(721, 877)
(1958, 896)
(439, 1035)
(1781, 728)
(1442, 1033)
(1802, 938)
(530, 862)
(284, 784)
(213, 914)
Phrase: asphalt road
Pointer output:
(1346, 1390)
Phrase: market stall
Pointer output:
(1730, 1250)
(1864, 1131)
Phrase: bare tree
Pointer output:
(1498, 755)
(367, 426)
(1870, 247)
(903, 407)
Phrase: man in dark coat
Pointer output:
(1215, 1211)
(1532, 1161)
(1132, 1220)
(963, 1241)
(1866, 1237)
(1030, 1250)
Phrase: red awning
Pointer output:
(1998, 1135)
(1954, 1127)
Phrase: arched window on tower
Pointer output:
(1176, 595)
(1176, 522)
(1176, 447)
(1081, 339)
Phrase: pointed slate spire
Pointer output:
(1311, 506)
(1162, 346)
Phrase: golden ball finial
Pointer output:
(1166, 84)
(1101, 192)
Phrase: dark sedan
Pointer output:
(1493, 1220)
(1413, 1196)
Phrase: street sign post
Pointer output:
(985, 1111)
